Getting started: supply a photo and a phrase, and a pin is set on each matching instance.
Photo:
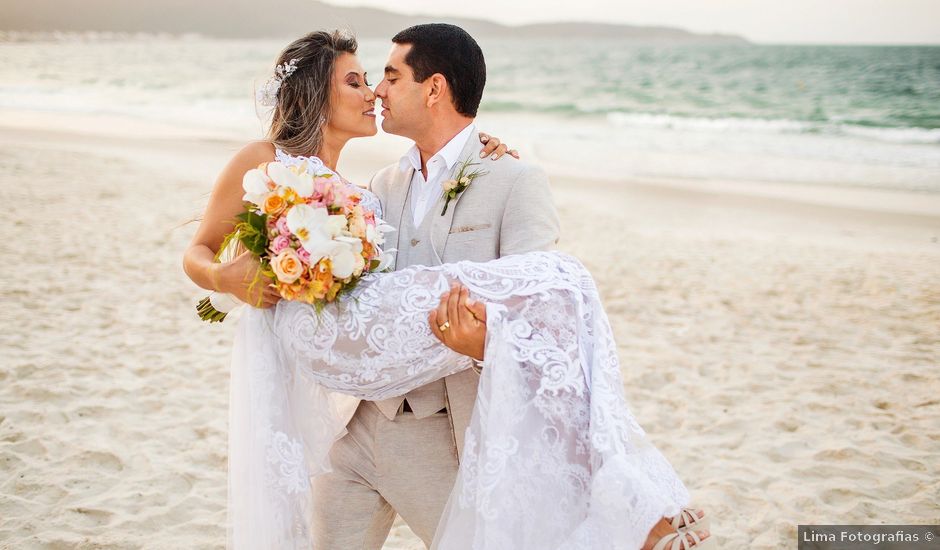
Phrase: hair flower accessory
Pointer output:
(267, 93)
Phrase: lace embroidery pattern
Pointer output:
(553, 457)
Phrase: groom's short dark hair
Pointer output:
(452, 52)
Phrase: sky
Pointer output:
(763, 21)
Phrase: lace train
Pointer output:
(553, 457)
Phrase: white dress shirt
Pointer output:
(425, 192)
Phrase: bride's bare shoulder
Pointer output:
(248, 157)
(229, 181)
(255, 153)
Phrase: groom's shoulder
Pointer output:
(508, 171)
(385, 176)
(503, 171)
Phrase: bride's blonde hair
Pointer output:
(303, 99)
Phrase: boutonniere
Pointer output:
(460, 182)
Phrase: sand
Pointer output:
(781, 348)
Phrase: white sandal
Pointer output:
(679, 541)
(690, 519)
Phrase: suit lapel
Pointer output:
(440, 225)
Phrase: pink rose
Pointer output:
(280, 243)
(323, 189)
(304, 255)
(342, 196)
(281, 225)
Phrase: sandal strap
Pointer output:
(686, 517)
(678, 541)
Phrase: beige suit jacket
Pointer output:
(509, 210)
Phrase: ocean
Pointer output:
(833, 115)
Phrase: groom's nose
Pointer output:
(381, 89)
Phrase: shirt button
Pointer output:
(414, 242)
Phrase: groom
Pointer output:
(401, 455)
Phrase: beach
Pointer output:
(779, 343)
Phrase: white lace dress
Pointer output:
(553, 458)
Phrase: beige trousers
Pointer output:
(381, 467)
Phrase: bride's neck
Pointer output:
(330, 150)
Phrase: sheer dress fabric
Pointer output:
(553, 457)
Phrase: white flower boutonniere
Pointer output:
(460, 182)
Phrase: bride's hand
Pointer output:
(494, 147)
(460, 323)
(240, 278)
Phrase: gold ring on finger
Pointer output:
(445, 326)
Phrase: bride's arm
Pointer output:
(225, 204)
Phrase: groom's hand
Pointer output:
(460, 323)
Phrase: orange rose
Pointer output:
(287, 266)
(274, 204)
(288, 292)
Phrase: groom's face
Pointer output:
(404, 101)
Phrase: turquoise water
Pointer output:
(796, 88)
(859, 116)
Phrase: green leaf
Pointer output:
(254, 219)
(253, 232)
(256, 243)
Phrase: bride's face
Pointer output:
(352, 102)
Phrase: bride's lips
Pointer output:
(370, 112)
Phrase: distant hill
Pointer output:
(288, 18)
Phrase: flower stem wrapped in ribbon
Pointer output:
(309, 233)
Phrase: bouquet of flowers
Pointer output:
(309, 232)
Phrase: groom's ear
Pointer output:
(437, 89)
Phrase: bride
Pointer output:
(553, 458)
